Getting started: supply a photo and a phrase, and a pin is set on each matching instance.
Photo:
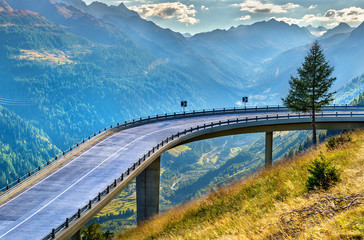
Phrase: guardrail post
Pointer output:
(67, 222)
(268, 149)
(79, 213)
(147, 184)
(90, 204)
(53, 233)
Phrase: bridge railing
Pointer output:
(154, 118)
(173, 137)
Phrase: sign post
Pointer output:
(245, 100)
(183, 105)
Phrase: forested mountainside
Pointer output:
(68, 69)
(23, 147)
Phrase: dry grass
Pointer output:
(57, 57)
(251, 208)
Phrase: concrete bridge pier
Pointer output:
(147, 190)
(268, 149)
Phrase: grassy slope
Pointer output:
(247, 209)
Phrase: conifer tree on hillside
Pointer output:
(309, 92)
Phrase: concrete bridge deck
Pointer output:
(99, 171)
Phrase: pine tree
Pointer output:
(309, 92)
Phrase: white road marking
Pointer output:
(81, 177)
(90, 170)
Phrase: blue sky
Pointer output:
(195, 16)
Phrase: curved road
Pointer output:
(46, 203)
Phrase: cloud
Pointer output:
(204, 8)
(256, 6)
(244, 18)
(331, 17)
(168, 10)
(312, 6)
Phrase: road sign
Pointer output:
(184, 104)
(245, 100)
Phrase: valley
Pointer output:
(68, 69)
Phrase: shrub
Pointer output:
(322, 174)
(335, 142)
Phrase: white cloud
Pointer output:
(256, 6)
(331, 17)
(352, 14)
(204, 8)
(312, 6)
(244, 18)
(239, 103)
(168, 10)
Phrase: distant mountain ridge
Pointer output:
(342, 28)
(4, 6)
(73, 20)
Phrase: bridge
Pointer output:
(57, 200)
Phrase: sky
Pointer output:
(194, 16)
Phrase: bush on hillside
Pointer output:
(322, 174)
(337, 141)
(93, 232)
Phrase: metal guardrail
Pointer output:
(154, 118)
(144, 120)
(115, 183)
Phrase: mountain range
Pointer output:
(68, 69)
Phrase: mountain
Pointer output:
(343, 51)
(80, 86)
(4, 6)
(342, 28)
(75, 21)
(23, 147)
(242, 50)
(317, 31)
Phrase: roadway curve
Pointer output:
(47, 202)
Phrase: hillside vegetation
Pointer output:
(274, 203)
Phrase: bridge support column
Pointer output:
(147, 186)
(268, 149)
(76, 236)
